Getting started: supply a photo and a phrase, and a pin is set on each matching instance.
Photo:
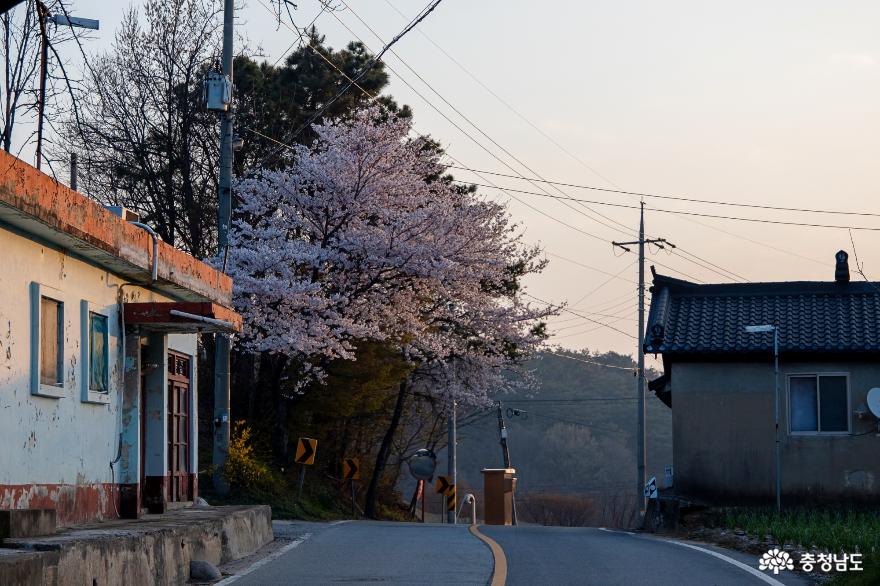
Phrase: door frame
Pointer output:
(180, 482)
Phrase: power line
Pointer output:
(616, 317)
(603, 283)
(676, 198)
(587, 331)
(680, 212)
(299, 32)
(578, 423)
(726, 273)
(468, 120)
(584, 360)
(370, 64)
(373, 97)
(730, 273)
(586, 266)
(505, 103)
(603, 324)
(606, 306)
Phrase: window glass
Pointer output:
(50, 341)
(803, 408)
(834, 415)
(98, 352)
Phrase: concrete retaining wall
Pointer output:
(152, 550)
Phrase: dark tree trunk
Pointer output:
(280, 433)
(384, 451)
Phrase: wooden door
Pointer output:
(179, 468)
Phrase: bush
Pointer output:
(245, 472)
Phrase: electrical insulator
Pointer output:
(217, 92)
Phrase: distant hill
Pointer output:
(575, 435)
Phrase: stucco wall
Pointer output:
(58, 450)
(723, 439)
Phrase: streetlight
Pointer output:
(59, 20)
(761, 330)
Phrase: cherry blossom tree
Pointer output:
(364, 237)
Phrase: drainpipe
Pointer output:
(155, 238)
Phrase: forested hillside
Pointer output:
(575, 434)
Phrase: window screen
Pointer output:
(818, 403)
(804, 412)
(98, 353)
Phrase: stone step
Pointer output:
(28, 568)
(27, 523)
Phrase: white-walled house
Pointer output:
(98, 355)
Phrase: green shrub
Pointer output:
(832, 529)
(245, 472)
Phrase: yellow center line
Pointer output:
(499, 574)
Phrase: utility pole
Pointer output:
(59, 19)
(451, 467)
(42, 15)
(641, 456)
(74, 172)
(505, 453)
(502, 432)
(223, 342)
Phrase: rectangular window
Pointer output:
(94, 355)
(51, 342)
(818, 403)
(98, 353)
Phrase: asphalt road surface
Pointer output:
(581, 555)
(362, 552)
(366, 552)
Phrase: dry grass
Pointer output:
(576, 510)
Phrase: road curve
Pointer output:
(583, 556)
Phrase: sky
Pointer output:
(768, 103)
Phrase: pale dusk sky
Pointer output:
(772, 103)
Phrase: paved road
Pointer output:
(361, 552)
(562, 555)
(364, 552)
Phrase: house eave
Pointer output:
(36, 205)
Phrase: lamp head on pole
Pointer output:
(760, 329)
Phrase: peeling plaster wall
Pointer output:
(59, 450)
(723, 440)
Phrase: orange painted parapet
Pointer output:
(37, 195)
(161, 316)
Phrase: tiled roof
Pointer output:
(812, 317)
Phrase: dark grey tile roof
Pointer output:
(812, 317)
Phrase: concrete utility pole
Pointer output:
(641, 457)
(223, 343)
(60, 20)
(502, 432)
(74, 172)
(42, 15)
(505, 452)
